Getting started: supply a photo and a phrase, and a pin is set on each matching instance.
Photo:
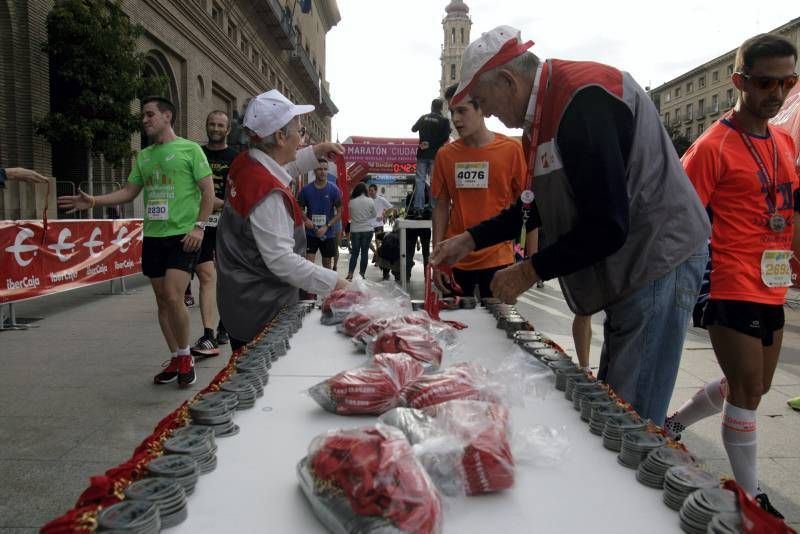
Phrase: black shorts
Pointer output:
(480, 278)
(162, 253)
(327, 246)
(749, 318)
(208, 246)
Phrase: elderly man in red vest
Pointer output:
(626, 230)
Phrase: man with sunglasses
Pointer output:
(743, 170)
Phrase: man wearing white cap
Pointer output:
(261, 237)
(628, 231)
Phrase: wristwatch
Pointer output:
(200, 224)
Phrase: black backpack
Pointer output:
(390, 247)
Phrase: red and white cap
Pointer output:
(269, 112)
(492, 49)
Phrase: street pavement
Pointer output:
(77, 394)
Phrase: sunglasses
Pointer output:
(767, 83)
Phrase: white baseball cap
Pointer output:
(492, 49)
(269, 112)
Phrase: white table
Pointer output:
(255, 488)
(402, 225)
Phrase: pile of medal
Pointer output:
(637, 445)
(159, 501)
(680, 481)
(652, 470)
(706, 505)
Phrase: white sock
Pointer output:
(183, 352)
(706, 401)
(174, 354)
(739, 438)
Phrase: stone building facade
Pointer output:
(694, 100)
(456, 25)
(216, 54)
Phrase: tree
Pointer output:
(680, 140)
(96, 73)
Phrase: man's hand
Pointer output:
(25, 175)
(192, 240)
(309, 225)
(321, 231)
(509, 283)
(81, 201)
(424, 145)
(451, 250)
(442, 282)
(341, 283)
(322, 150)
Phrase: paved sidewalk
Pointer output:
(77, 395)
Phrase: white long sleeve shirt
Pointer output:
(273, 229)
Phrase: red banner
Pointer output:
(72, 254)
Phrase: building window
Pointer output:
(452, 71)
(231, 31)
(666, 118)
(689, 87)
(255, 58)
(701, 82)
(667, 96)
(452, 36)
(714, 104)
(264, 69)
(677, 92)
(701, 107)
(463, 39)
(731, 101)
(689, 133)
(715, 76)
(244, 45)
(677, 115)
(688, 112)
(216, 14)
(730, 69)
(700, 129)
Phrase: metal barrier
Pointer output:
(64, 188)
(102, 187)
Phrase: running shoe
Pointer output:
(188, 299)
(765, 505)
(223, 338)
(186, 374)
(169, 374)
(205, 347)
(673, 428)
(794, 403)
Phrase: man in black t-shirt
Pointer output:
(220, 156)
(434, 131)
(423, 235)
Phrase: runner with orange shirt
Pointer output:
(473, 179)
(743, 170)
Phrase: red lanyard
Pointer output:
(534, 134)
(772, 181)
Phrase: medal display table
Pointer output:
(255, 487)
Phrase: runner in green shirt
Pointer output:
(178, 197)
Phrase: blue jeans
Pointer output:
(424, 167)
(644, 334)
(359, 244)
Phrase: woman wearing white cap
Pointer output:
(261, 235)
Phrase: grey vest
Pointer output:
(667, 221)
(249, 295)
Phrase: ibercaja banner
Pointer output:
(67, 255)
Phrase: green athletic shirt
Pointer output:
(168, 173)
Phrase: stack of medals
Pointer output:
(652, 470)
(137, 517)
(700, 507)
(550, 354)
(245, 388)
(166, 494)
(522, 337)
(682, 480)
(636, 445)
(255, 365)
(572, 382)
(616, 426)
(468, 303)
(198, 445)
(726, 523)
(592, 401)
(564, 374)
(215, 411)
(582, 390)
(601, 414)
(179, 467)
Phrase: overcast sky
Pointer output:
(383, 57)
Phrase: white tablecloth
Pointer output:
(255, 488)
